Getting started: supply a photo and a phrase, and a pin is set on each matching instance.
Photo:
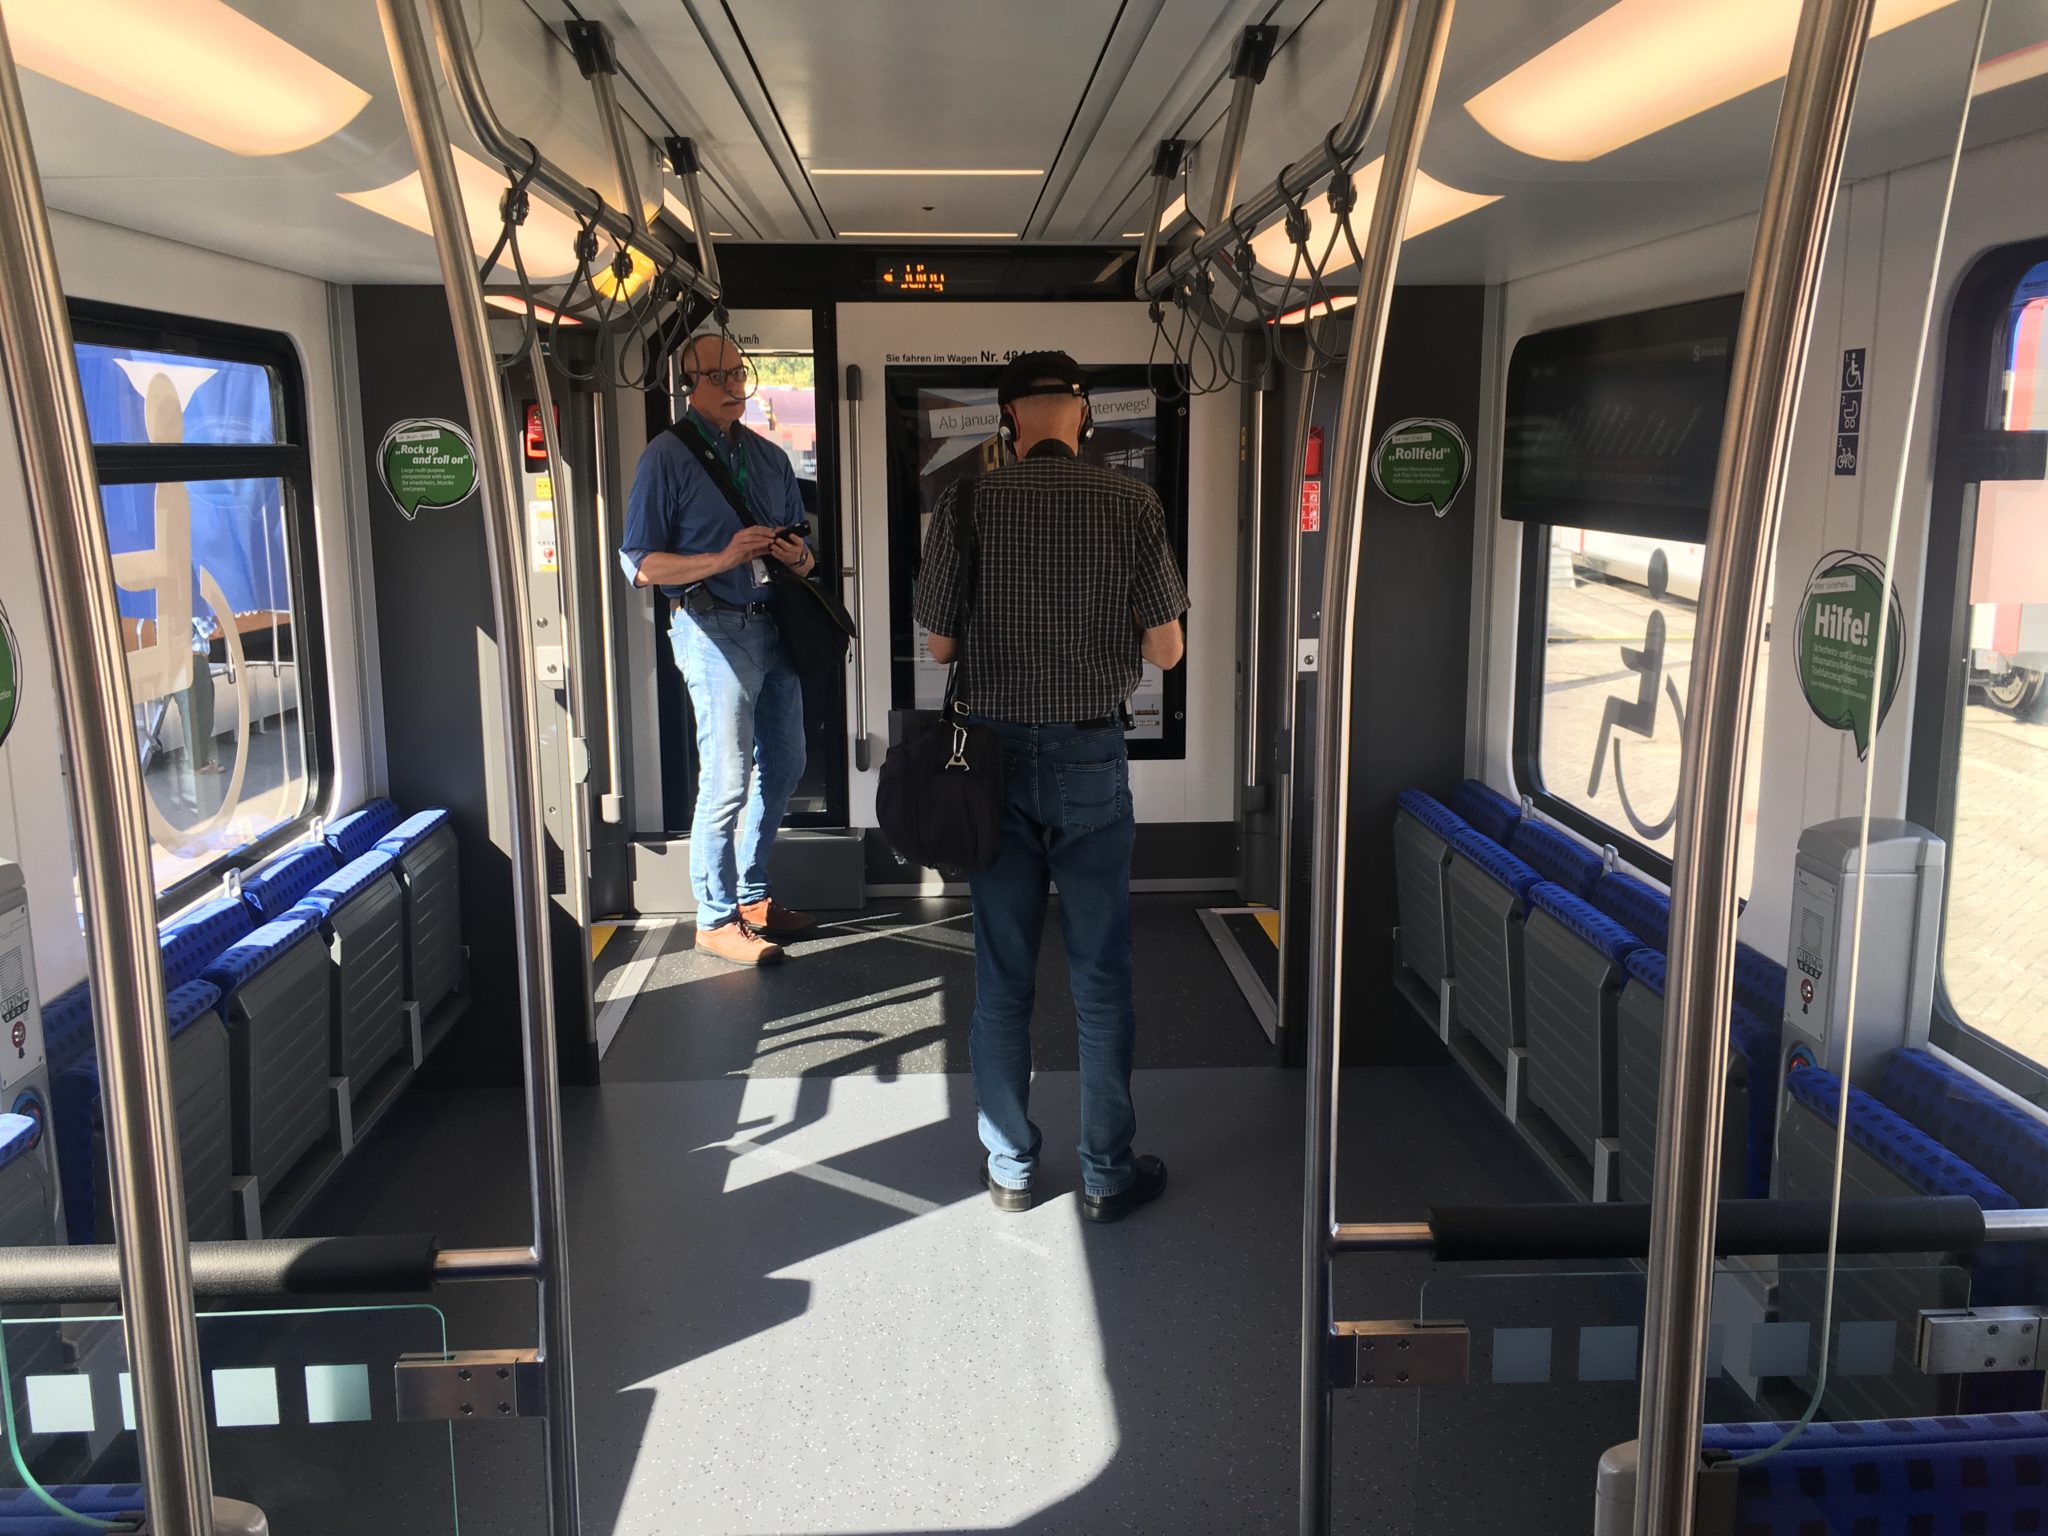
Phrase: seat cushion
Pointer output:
(355, 834)
(279, 886)
(1585, 920)
(1759, 982)
(67, 1028)
(192, 938)
(413, 829)
(238, 963)
(1487, 811)
(1556, 856)
(347, 882)
(1924, 1163)
(1994, 1135)
(1639, 907)
(1484, 853)
(1431, 812)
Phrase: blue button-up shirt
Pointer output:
(676, 509)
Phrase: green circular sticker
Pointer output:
(10, 679)
(1838, 624)
(1422, 462)
(426, 462)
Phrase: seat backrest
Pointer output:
(1486, 810)
(1639, 907)
(1759, 983)
(193, 938)
(1647, 966)
(419, 825)
(1556, 856)
(1889, 1477)
(241, 963)
(355, 834)
(67, 1028)
(2001, 1139)
(1484, 853)
(1430, 811)
(1924, 1163)
(347, 882)
(279, 886)
(1585, 920)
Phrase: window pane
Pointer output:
(1617, 665)
(199, 399)
(208, 620)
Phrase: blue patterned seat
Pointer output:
(1557, 856)
(1431, 812)
(282, 883)
(355, 834)
(1599, 930)
(1487, 811)
(1641, 908)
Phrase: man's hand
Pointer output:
(750, 543)
(792, 550)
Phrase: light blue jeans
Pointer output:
(1067, 818)
(748, 702)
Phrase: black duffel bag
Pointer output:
(940, 799)
(815, 626)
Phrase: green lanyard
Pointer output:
(738, 444)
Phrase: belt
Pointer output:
(1116, 722)
(704, 602)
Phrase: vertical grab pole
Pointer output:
(850, 570)
(1414, 95)
(1749, 485)
(512, 615)
(96, 712)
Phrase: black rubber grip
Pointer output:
(290, 1266)
(1469, 1233)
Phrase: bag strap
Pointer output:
(967, 539)
(692, 437)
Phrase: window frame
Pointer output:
(1971, 370)
(288, 461)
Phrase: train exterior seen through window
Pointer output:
(1648, 524)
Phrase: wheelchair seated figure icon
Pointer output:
(1637, 716)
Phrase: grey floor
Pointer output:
(796, 1312)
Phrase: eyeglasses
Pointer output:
(723, 376)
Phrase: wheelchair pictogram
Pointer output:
(1638, 716)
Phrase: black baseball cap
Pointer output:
(1041, 373)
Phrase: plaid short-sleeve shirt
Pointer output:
(1074, 566)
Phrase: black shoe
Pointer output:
(1149, 1184)
(1005, 1198)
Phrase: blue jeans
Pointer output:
(749, 706)
(1067, 819)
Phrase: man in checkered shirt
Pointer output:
(1077, 589)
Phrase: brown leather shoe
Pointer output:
(740, 943)
(773, 919)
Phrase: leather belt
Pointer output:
(1116, 722)
(704, 602)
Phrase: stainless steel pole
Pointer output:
(466, 81)
(104, 786)
(1749, 484)
(607, 95)
(1255, 456)
(612, 804)
(1382, 45)
(1166, 162)
(1230, 155)
(1414, 95)
(851, 570)
(526, 833)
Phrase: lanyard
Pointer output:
(738, 445)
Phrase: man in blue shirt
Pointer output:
(684, 536)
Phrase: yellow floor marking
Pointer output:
(1270, 921)
(601, 935)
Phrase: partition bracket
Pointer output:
(1398, 1354)
(471, 1384)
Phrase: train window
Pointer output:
(1611, 438)
(1978, 772)
(198, 440)
(1603, 723)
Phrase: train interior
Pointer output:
(787, 1300)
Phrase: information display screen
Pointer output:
(1616, 425)
(942, 432)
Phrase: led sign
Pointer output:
(912, 277)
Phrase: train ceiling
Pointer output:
(902, 123)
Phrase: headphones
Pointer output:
(1007, 430)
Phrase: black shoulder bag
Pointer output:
(940, 799)
(815, 625)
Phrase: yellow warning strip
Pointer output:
(1270, 921)
(601, 935)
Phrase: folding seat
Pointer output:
(1423, 828)
(429, 874)
(277, 1002)
(1485, 892)
(360, 912)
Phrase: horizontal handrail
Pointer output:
(1743, 1228)
(1339, 147)
(458, 62)
(292, 1266)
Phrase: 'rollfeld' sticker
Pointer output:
(1422, 462)
(426, 462)
(1838, 624)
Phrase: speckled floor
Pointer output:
(797, 1313)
